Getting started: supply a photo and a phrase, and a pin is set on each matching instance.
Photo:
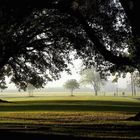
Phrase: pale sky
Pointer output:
(75, 69)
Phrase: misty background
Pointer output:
(123, 84)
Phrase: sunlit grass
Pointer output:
(64, 116)
(45, 98)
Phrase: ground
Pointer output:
(78, 117)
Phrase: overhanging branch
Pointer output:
(108, 55)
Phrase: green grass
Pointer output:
(78, 116)
(91, 103)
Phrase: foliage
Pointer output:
(93, 78)
(71, 85)
(35, 42)
(3, 85)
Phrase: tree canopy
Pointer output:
(37, 38)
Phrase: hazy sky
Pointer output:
(122, 82)
(75, 75)
(75, 69)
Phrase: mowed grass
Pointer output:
(90, 103)
(85, 116)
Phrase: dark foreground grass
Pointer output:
(70, 118)
(96, 130)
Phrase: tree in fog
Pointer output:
(30, 89)
(71, 85)
(93, 78)
(115, 81)
(135, 82)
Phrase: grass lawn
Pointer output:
(78, 116)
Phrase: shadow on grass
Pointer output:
(17, 136)
(3, 101)
(110, 131)
(67, 105)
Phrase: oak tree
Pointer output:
(36, 38)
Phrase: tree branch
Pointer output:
(108, 55)
(132, 10)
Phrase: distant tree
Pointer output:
(91, 77)
(30, 89)
(138, 82)
(135, 82)
(115, 80)
(123, 93)
(71, 85)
